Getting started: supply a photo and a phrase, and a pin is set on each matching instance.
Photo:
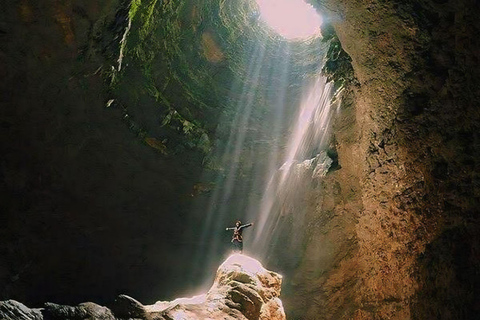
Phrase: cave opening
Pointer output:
(294, 20)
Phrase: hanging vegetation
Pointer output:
(338, 64)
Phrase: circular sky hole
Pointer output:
(292, 19)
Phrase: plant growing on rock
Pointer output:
(338, 64)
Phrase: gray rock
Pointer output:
(14, 310)
(126, 307)
(84, 311)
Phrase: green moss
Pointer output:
(152, 60)
(338, 64)
(134, 6)
(167, 74)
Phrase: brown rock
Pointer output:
(243, 289)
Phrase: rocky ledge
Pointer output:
(242, 289)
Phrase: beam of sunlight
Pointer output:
(277, 183)
(308, 137)
(276, 130)
(236, 137)
(292, 19)
(219, 205)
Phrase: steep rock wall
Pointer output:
(413, 226)
(81, 194)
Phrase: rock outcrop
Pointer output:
(11, 309)
(243, 289)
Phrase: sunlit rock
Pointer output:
(242, 289)
(323, 164)
(318, 165)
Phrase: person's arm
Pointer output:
(246, 225)
(230, 228)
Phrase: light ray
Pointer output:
(271, 185)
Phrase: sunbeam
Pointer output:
(305, 141)
(258, 181)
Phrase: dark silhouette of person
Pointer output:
(237, 239)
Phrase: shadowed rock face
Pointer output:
(394, 232)
(12, 309)
(82, 196)
(243, 289)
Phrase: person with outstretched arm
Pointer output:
(237, 239)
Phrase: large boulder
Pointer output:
(243, 289)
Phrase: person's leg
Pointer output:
(236, 246)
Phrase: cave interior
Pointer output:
(118, 128)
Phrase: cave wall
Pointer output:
(88, 208)
(400, 240)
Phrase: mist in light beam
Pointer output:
(303, 155)
(276, 133)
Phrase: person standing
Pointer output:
(237, 238)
